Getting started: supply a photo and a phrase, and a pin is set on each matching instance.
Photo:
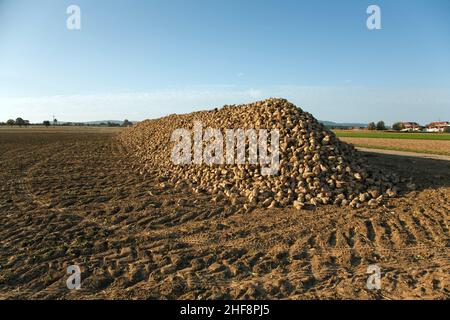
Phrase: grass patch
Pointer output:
(392, 135)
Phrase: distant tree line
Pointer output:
(25, 123)
(398, 126)
(18, 122)
(378, 126)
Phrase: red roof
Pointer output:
(410, 124)
(438, 124)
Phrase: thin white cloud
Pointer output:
(336, 103)
(136, 105)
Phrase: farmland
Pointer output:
(441, 147)
(430, 143)
(391, 135)
(71, 197)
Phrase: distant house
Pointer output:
(437, 126)
(411, 126)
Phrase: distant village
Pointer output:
(441, 126)
(436, 127)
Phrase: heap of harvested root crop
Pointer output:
(314, 166)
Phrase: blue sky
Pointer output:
(140, 59)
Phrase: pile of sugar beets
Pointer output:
(314, 167)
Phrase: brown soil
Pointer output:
(430, 146)
(405, 153)
(72, 198)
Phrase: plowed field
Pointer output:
(71, 198)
